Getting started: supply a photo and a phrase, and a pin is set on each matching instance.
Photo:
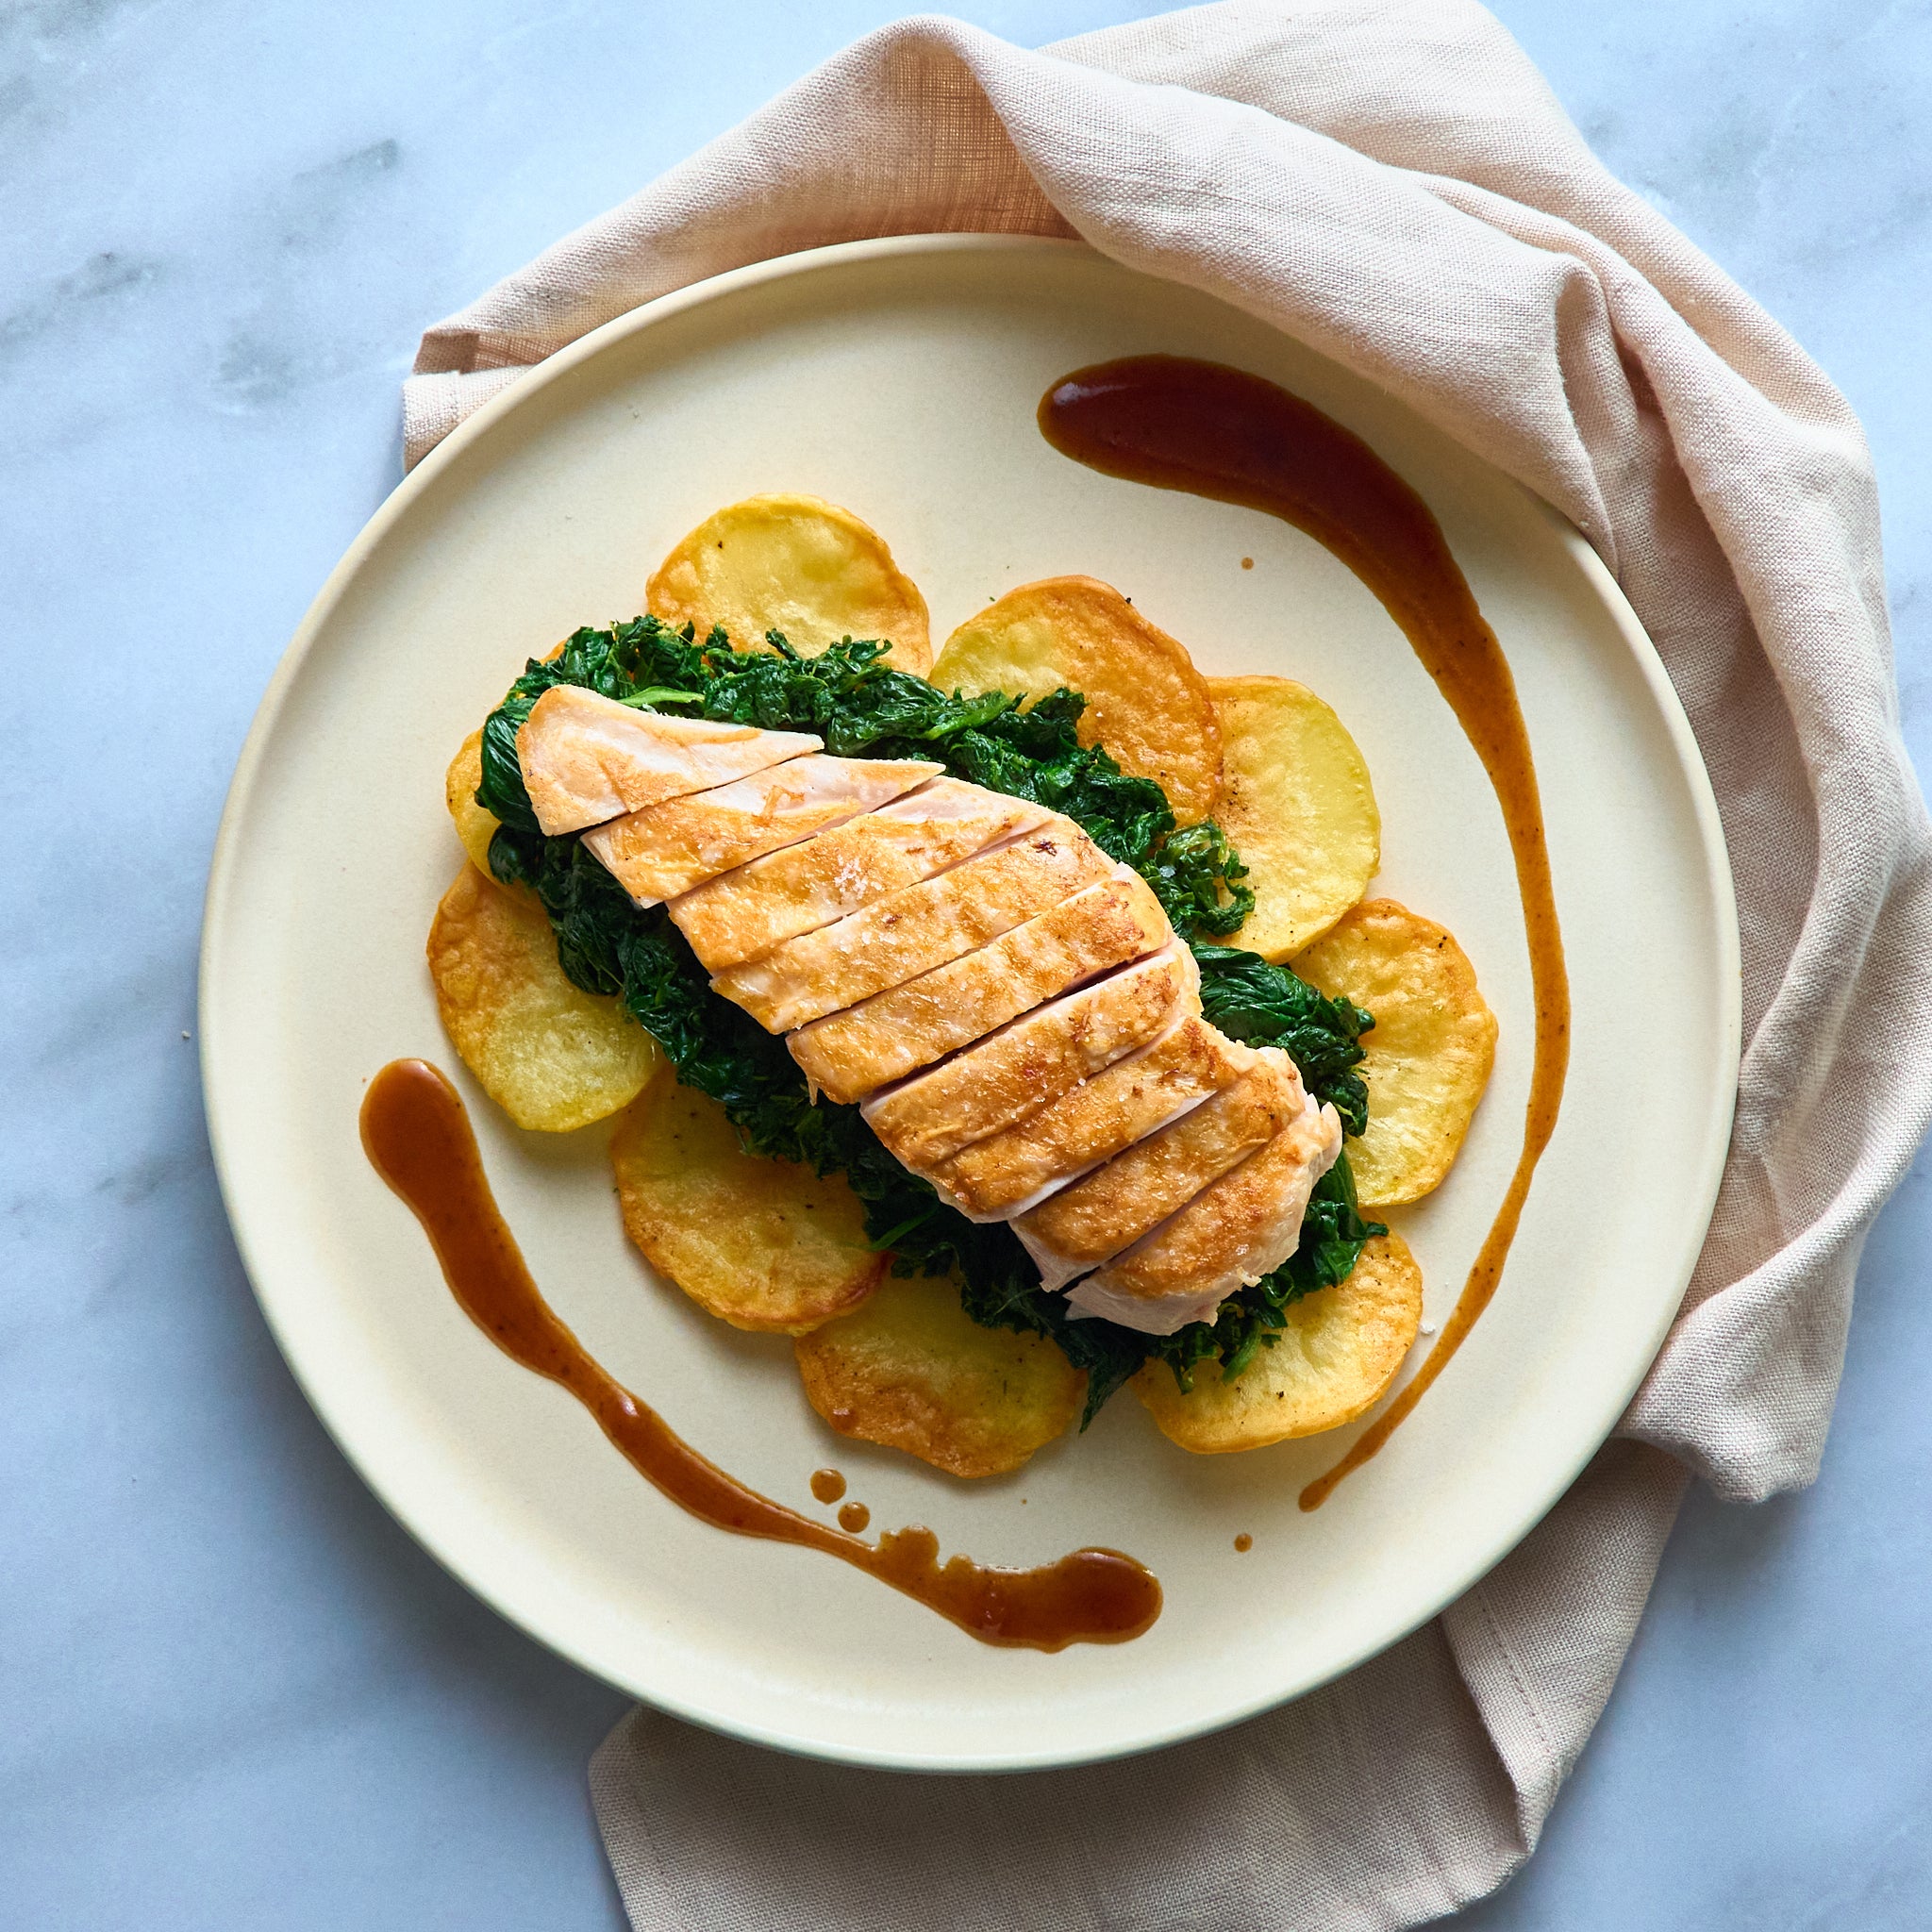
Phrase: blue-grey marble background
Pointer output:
(232, 1692)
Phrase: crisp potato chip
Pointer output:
(913, 1370)
(1145, 701)
(475, 827)
(797, 565)
(1429, 1052)
(1339, 1352)
(759, 1243)
(551, 1056)
(1295, 800)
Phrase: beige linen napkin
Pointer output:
(1393, 184)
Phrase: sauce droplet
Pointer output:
(855, 1516)
(828, 1485)
(418, 1138)
(1247, 563)
(1244, 1543)
(1222, 433)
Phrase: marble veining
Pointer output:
(234, 1689)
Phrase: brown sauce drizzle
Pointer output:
(418, 1138)
(1219, 432)
(1244, 1543)
(828, 1485)
(855, 1516)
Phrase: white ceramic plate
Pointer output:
(900, 377)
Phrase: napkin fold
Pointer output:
(1395, 185)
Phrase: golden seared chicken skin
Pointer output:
(1012, 1008)
(914, 929)
(1091, 1221)
(587, 759)
(747, 912)
(1006, 1174)
(1231, 1234)
(1029, 1063)
(668, 849)
(852, 1053)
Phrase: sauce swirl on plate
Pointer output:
(418, 1138)
(1219, 432)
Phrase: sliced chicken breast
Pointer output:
(912, 930)
(884, 1039)
(586, 757)
(1244, 1227)
(667, 849)
(1029, 1062)
(1091, 1221)
(1008, 1173)
(749, 912)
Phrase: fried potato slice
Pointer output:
(1339, 1352)
(913, 1371)
(795, 564)
(1429, 1052)
(762, 1244)
(552, 1055)
(475, 827)
(1295, 799)
(1145, 701)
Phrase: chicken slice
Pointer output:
(881, 1039)
(1232, 1233)
(1031, 1062)
(912, 930)
(749, 912)
(1008, 1173)
(667, 849)
(586, 757)
(1113, 1206)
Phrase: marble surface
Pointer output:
(233, 1691)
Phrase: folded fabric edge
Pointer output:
(434, 405)
(1531, 1639)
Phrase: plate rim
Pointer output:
(223, 866)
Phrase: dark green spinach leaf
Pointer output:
(1270, 1006)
